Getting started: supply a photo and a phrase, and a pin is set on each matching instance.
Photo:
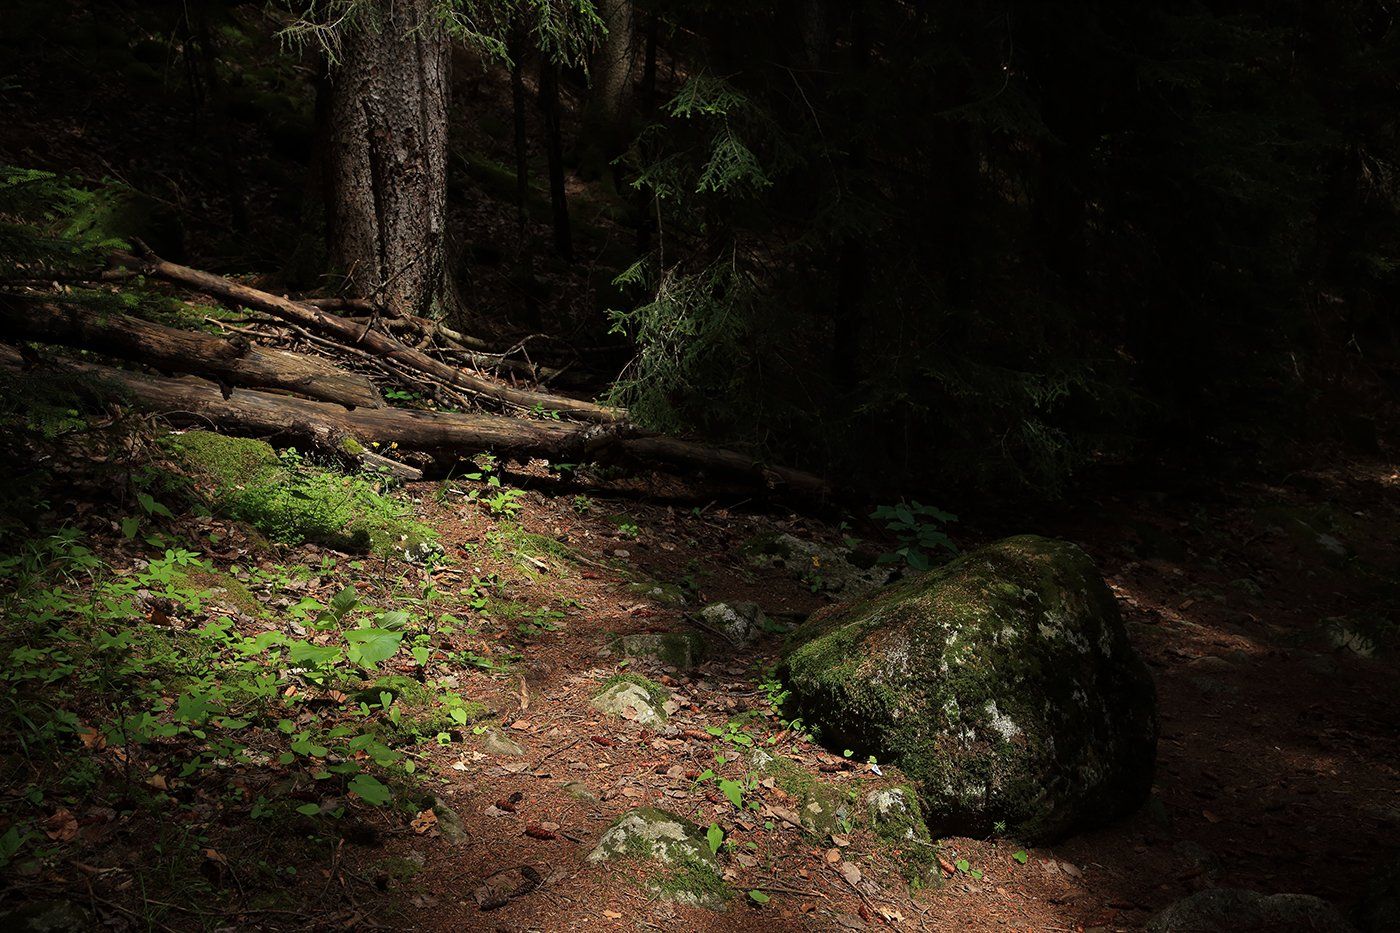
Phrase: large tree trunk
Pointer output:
(608, 114)
(388, 160)
(233, 362)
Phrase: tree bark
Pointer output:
(388, 160)
(608, 114)
(366, 338)
(234, 362)
(554, 148)
(450, 437)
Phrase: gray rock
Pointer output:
(1002, 684)
(680, 650)
(580, 792)
(895, 815)
(449, 823)
(500, 744)
(682, 867)
(629, 700)
(1220, 909)
(740, 622)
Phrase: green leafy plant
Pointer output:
(919, 530)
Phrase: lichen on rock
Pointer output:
(673, 849)
(740, 622)
(1002, 684)
(677, 649)
(630, 696)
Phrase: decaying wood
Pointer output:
(366, 337)
(449, 437)
(234, 362)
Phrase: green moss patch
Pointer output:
(292, 501)
(1003, 684)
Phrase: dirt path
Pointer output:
(1277, 766)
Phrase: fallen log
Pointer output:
(447, 436)
(233, 362)
(367, 338)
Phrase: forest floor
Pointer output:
(1277, 766)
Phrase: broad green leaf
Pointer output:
(714, 836)
(733, 790)
(759, 897)
(371, 646)
(370, 789)
(1021, 856)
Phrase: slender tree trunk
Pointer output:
(554, 147)
(388, 159)
(518, 48)
(644, 216)
(609, 112)
(852, 263)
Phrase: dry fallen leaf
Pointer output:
(833, 856)
(424, 821)
(520, 724)
(851, 873)
(612, 915)
(62, 826)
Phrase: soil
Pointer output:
(1277, 767)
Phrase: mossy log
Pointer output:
(367, 338)
(231, 361)
(446, 436)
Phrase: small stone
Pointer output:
(630, 701)
(499, 744)
(686, 869)
(580, 792)
(449, 823)
(740, 622)
(677, 649)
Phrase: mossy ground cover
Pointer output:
(293, 501)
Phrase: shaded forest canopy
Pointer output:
(493, 464)
(992, 242)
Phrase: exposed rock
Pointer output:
(685, 870)
(819, 807)
(1218, 909)
(1003, 684)
(1199, 857)
(500, 744)
(47, 917)
(829, 569)
(676, 649)
(449, 823)
(740, 622)
(664, 594)
(580, 792)
(895, 815)
(635, 698)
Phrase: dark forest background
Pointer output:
(979, 245)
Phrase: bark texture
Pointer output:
(233, 362)
(364, 337)
(388, 159)
(610, 97)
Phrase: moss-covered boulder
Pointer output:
(672, 851)
(1003, 684)
(292, 501)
